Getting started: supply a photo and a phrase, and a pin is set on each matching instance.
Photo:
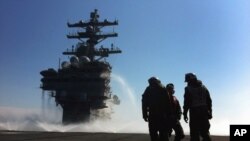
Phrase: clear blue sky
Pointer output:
(164, 38)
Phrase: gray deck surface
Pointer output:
(81, 136)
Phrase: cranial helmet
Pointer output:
(190, 76)
(153, 80)
(170, 86)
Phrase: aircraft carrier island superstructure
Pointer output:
(82, 84)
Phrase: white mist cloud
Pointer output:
(125, 88)
(126, 117)
(18, 119)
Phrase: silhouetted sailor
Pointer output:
(198, 101)
(175, 113)
(156, 109)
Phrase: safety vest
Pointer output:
(198, 96)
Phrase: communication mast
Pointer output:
(83, 84)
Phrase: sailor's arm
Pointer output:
(186, 105)
(145, 105)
